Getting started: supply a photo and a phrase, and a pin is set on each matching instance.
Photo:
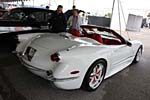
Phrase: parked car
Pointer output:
(19, 19)
(24, 18)
(72, 62)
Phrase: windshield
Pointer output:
(14, 15)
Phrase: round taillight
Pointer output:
(55, 57)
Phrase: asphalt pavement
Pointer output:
(133, 83)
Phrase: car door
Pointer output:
(121, 55)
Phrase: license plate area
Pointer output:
(29, 53)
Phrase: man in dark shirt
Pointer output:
(58, 22)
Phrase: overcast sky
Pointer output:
(95, 4)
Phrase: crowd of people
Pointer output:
(70, 21)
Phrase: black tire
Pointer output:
(136, 56)
(86, 82)
(8, 43)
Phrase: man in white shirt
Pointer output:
(75, 21)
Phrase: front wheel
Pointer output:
(138, 55)
(94, 76)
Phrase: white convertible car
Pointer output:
(72, 62)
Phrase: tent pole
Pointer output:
(112, 12)
(119, 14)
(22, 3)
(33, 3)
(73, 2)
(49, 3)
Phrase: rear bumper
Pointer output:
(63, 83)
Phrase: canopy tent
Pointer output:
(22, 1)
(120, 9)
(12, 0)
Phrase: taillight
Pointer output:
(55, 57)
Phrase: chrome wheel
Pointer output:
(96, 76)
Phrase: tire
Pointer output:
(8, 43)
(94, 76)
(138, 55)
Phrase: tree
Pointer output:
(148, 14)
(108, 15)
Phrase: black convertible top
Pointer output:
(31, 9)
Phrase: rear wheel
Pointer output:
(94, 76)
(138, 55)
(8, 42)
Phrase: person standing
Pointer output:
(84, 19)
(148, 22)
(74, 23)
(47, 7)
(69, 13)
(58, 22)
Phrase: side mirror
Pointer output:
(128, 43)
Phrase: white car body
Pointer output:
(76, 54)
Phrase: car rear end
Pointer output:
(42, 56)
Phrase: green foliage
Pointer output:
(148, 14)
(108, 15)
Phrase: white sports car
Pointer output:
(71, 62)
